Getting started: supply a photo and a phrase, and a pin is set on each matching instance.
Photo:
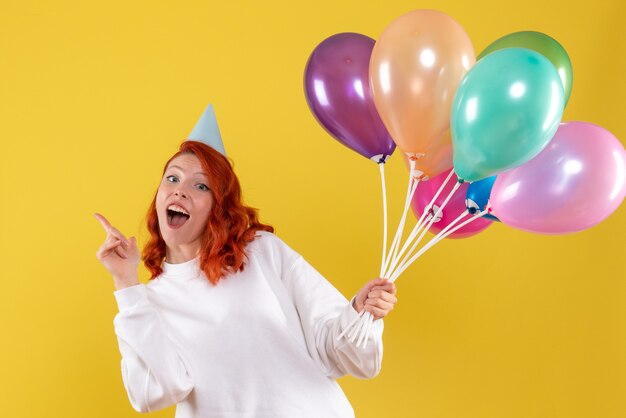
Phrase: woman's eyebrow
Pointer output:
(202, 173)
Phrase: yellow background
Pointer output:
(94, 96)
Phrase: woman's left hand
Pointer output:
(376, 297)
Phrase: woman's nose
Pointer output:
(180, 193)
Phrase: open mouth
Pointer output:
(176, 216)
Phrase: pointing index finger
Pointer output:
(111, 230)
(103, 221)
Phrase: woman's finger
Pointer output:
(117, 234)
(389, 287)
(104, 222)
(119, 251)
(388, 297)
(111, 230)
(107, 248)
(376, 312)
(379, 303)
(111, 242)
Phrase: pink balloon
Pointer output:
(425, 192)
(574, 183)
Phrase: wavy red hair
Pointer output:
(230, 227)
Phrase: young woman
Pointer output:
(233, 322)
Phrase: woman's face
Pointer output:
(183, 202)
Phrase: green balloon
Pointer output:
(545, 45)
(505, 111)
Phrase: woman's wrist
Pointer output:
(357, 306)
(123, 283)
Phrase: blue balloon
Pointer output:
(477, 196)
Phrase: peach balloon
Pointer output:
(436, 159)
(415, 69)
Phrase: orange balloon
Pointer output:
(415, 69)
(436, 159)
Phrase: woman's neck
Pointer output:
(181, 253)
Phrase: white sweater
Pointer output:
(260, 343)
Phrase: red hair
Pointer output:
(230, 227)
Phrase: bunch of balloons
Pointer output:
(419, 87)
(493, 120)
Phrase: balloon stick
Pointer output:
(366, 330)
(400, 229)
(450, 229)
(366, 318)
(384, 187)
(359, 327)
(419, 225)
(350, 325)
(441, 235)
(416, 243)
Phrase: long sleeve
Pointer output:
(154, 371)
(324, 314)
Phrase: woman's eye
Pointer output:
(203, 187)
(171, 179)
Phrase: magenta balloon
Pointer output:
(337, 89)
(575, 182)
(425, 192)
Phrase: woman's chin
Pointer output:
(174, 234)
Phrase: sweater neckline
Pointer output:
(188, 269)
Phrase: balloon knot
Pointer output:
(380, 158)
(414, 156)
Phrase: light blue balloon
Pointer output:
(505, 111)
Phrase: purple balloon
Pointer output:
(337, 89)
(574, 183)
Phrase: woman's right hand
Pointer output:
(120, 256)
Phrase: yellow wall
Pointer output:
(95, 95)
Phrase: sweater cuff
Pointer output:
(131, 296)
(348, 315)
